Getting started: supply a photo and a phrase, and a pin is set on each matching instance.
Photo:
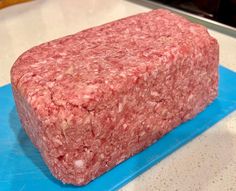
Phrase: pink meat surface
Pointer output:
(90, 100)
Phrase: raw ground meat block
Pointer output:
(90, 100)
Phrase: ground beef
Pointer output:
(90, 100)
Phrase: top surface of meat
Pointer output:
(80, 68)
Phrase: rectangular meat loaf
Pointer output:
(89, 101)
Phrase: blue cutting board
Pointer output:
(21, 166)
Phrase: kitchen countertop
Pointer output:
(206, 163)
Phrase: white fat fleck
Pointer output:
(151, 103)
(154, 93)
(86, 97)
(62, 53)
(190, 97)
(70, 70)
(122, 104)
(145, 76)
(41, 62)
(64, 125)
(59, 77)
(102, 156)
(122, 74)
(87, 119)
(79, 180)
(91, 88)
(57, 141)
(120, 107)
(126, 31)
(164, 112)
(193, 30)
(79, 163)
(142, 133)
(50, 84)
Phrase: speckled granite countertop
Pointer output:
(206, 163)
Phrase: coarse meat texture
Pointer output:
(90, 100)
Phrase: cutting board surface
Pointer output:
(22, 168)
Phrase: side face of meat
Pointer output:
(89, 101)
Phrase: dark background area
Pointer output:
(223, 11)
